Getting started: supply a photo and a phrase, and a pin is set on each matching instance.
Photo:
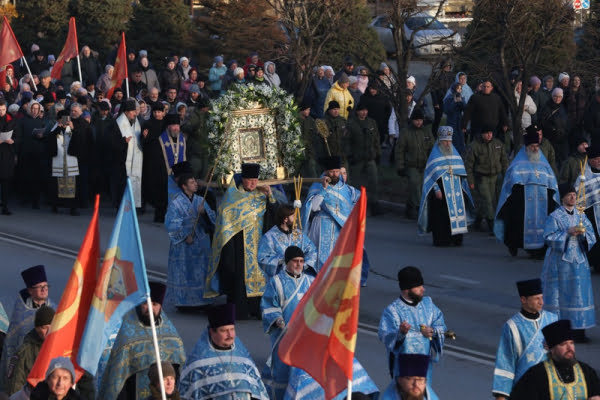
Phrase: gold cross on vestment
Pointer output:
(537, 173)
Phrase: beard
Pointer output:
(289, 225)
(334, 180)
(447, 151)
(533, 157)
(564, 362)
(415, 298)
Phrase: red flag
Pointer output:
(120, 71)
(69, 51)
(9, 49)
(326, 320)
(72, 312)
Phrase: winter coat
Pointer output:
(529, 109)
(591, 120)
(90, 68)
(150, 78)
(379, 110)
(343, 97)
(272, 78)
(169, 78)
(215, 82)
(22, 362)
(8, 151)
(553, 121)
(318, 92)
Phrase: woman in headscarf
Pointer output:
(466, 93)
(271, 74)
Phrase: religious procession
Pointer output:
(265, 200)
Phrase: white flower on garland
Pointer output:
(283, 116)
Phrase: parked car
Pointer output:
(433, 39)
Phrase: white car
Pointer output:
(434, 39)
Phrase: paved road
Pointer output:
(473, 285)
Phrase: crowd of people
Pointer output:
(64, 141)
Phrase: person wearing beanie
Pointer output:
(365, 153)
(59, 383)
(216, 76)
(127, 154)
(21, 363)
(282, 295)
(522, 331)
(591, 182)
(535, 92)
(218, 354)
(339, 93)
(415, 313)
(189, 221)
(485, 161)
(566, 275)
(571, 169)
(561, 373)
(519, 223)
(446, 204)
(8, 154)
(331, 141)
(243, 210)
(126, 371)
(328, 203)
(169, 77)
(238, 78)
(411, 152)
(553, 119)
(273, 244)
(347, 68)
(563, 80)
(169, 379)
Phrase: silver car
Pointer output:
(434, 39)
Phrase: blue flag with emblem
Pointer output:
(122, 284)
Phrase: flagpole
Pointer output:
(127, 85)
(349, 396)
(30, 74)
(156, 351)
(79, 68)
(148, 301)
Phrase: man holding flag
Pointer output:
(132, 354)
(326, 319)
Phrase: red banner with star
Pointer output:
(321, 335)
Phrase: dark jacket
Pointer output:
(553, 120)
(485, 110)
(90, 69)
(7, 151)
(591, 120)
(42, 392)
(379, 110)
(169, 78)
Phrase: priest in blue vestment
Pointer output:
(189, 221)
(446, 203)
(173, 147)
(328, 205)
(283, 293)
(242, 218)
(412, 324)
(529, 194)
(220, 367)
(522, 343)
(272, 245)
(132, 354)
(29, 300)
(411, 381)
(566, 277)
(591, 180)
(3, 325)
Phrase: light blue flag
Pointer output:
(122, 284)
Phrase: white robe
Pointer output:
(135, 157)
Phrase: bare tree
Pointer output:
(525, 36)
(309, 25)
(406, 44)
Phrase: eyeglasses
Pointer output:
(41, 287)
